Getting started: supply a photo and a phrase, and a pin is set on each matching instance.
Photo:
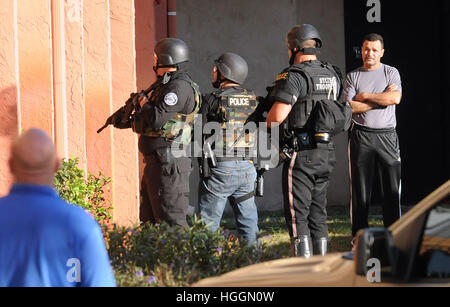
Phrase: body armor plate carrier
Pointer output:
(322, 111)
(234, 109)
(179, 128)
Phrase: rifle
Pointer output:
(264, 106)
(120, 119)
(111, 120)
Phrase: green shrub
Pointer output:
(160, 255)
(72, 186)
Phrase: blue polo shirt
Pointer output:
(45, 241)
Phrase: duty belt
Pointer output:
(225, 159)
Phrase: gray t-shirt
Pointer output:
(375, 82)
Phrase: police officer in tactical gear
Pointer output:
(232, 176)
(297, 91)
(167, 110)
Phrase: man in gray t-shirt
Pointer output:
(375, 81)
(374, 90)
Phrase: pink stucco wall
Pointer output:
(123, 76)
(35, 64)
(97, 79)
(9, 123)
(65, 67)
(74, 87)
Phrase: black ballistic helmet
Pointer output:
(171, 51)
(232, 67)
(301, 33)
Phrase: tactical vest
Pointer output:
(233, 110)
(179, 128)
(321, 79)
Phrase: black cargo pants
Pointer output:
(374, 151)
(305, 183)
(165, 188)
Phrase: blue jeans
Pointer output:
(236, 179)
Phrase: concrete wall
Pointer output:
(256, 30)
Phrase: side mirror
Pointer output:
(375, 244)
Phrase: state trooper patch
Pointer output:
(171, 99)
(282, 76)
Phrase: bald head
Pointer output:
(33, 158)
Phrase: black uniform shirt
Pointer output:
(176, 96)
(290, 87)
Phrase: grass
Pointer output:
(161, 256)
(273, 229)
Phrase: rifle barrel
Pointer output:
(102, 128)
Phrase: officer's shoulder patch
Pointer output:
(282, 76)
(171, 99)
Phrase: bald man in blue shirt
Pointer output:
(45, 241)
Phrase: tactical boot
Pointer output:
(301, 246)
(320, 246)
(293, 248)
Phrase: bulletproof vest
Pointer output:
(235, 105)
(179, 128)
(323, 84)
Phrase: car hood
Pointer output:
(331, 270)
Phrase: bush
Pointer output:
(160, 255)
(157, 255)
(87, 193)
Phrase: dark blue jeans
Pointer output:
(236, 179)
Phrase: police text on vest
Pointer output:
(239, 101)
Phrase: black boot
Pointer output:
(301, 246)
(320, 246)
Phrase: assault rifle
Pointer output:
(121, 118)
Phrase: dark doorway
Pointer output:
(417, 43)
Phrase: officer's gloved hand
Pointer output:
(117, 120)
(140, 100)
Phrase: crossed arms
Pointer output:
(364, 102)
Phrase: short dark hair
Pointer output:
(373, 37)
